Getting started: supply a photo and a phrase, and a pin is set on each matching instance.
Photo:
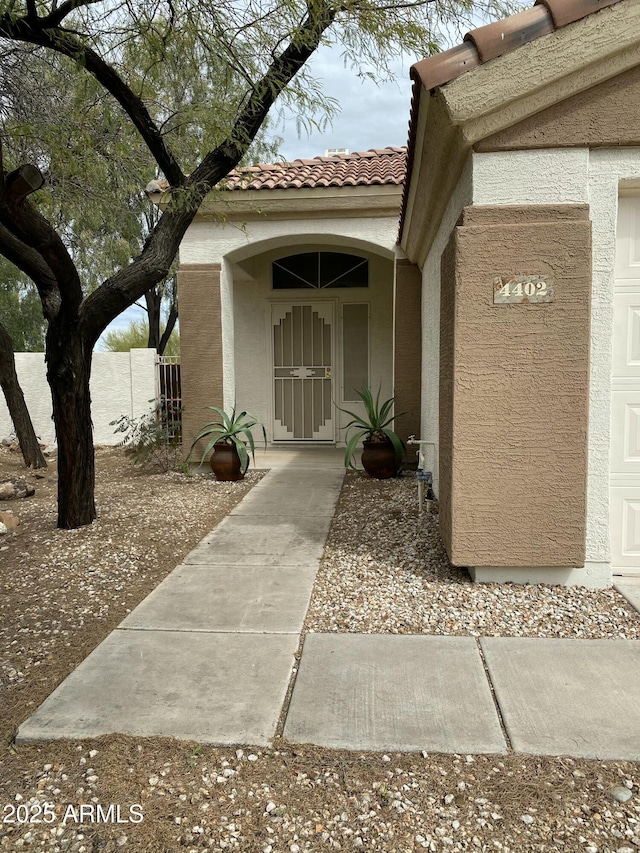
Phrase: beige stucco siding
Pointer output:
(604, 116)
(407, 366)
(200, 345)
(515, 396)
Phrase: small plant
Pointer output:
(373, 426)
(231, 429)
(151, 440)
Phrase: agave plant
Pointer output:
(373, 426)
(233, 429)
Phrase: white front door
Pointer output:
(303, 343)
(624, 480)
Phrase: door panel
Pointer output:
(303, 372)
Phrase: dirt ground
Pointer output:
(61, 592)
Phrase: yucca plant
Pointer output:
(231, 429)
(373, 426)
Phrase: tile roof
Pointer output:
(363, 168)
(501, 37)
(480, 46)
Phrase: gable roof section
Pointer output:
(502, 74)
(500, 37)
(377, 166)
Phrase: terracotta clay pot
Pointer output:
(379, 459)
(225, 463)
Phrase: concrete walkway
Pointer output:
(209, 656)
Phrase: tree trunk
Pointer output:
(68, 373)
(153, 299)
(31, 451)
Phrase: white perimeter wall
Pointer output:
(560, 176)
(122, 383)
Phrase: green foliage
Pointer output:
(153, 440)
(21, 310)
(136, 335)
(230, 429)
(373, 425)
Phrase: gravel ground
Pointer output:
(62, 592)
(385, 570)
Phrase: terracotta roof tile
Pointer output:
(501, 37)
(486, 43)
(363, 168)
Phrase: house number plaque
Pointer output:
(509, 290)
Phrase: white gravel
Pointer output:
(385, 570)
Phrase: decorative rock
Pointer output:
(16, 487)
(9, 520)
(3, 529)
(620, 794)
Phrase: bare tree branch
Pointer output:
(59, 13)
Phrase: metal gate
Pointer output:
(303, 372)
(169, 393)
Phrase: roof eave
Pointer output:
(513, 87)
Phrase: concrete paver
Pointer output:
(281, 499)
(390, 692)
(264, 540)
(257, 599)
(629, 588)
(568, 697)
(209, 654)
(213, 688)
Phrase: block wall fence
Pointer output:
(122, 383)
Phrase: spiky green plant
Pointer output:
(230, 429)
(374, 425)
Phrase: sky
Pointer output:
(371, 116)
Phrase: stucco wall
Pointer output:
(201, 346)
(431, 273)
(518, 384)
(122, 383)
(207, 242)
(407, 362)
(594, 177)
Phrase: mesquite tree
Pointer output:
(226, 62)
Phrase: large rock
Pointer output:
(9, 520)
(16, 487)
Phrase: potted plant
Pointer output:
(383, 448)
(230, 435)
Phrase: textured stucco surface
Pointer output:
(431, 273)
(549, 176)
(599, 175)
(122, 383)
(606, 115)
(210, 242)
(407, 348)
(200, 346)
(518, 441)
(545, 71)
